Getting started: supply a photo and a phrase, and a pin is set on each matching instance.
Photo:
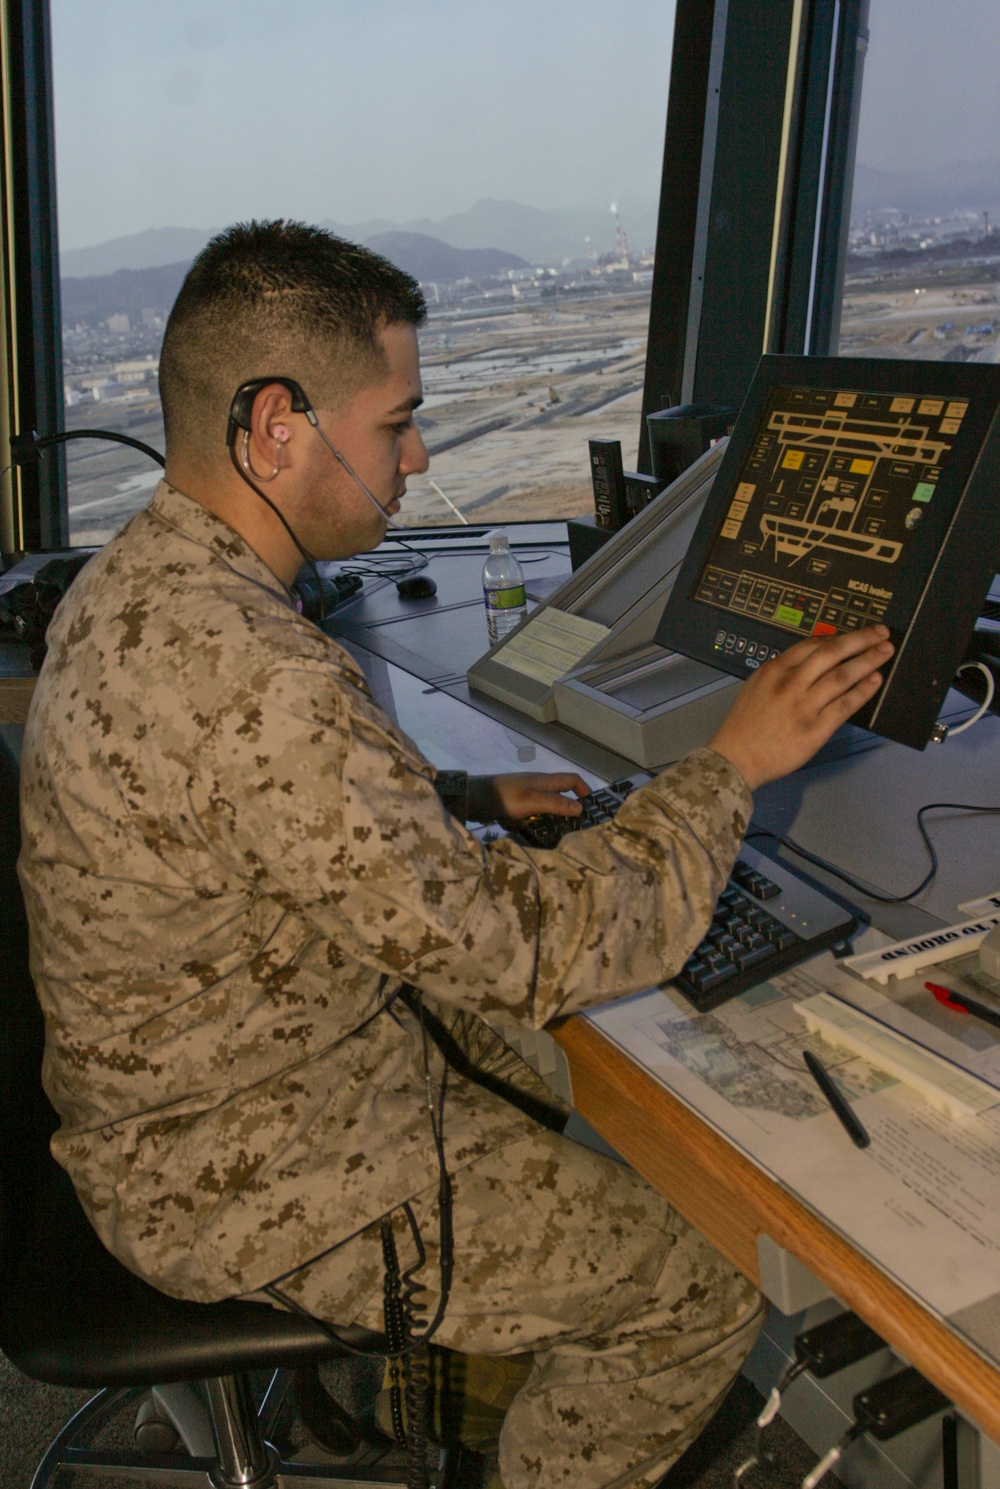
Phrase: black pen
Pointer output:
(842, 1111)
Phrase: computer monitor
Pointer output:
(853, 491)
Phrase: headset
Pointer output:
(240, 417)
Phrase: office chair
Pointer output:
(72, 1315)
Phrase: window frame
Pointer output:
(755, 218)
(35, 505)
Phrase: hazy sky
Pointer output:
(930, 95)
(192, 113)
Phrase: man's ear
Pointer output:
(268, 427)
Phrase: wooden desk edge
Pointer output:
(731, 1202)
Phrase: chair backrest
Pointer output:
(27, 1119)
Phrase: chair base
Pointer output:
(243, 1457)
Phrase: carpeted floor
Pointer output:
(31, 1415)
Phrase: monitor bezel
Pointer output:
(945, 576)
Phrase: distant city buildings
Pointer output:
(117, 382)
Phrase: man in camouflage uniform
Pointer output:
(232, 858)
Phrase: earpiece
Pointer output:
(280, 433)
(241, 408)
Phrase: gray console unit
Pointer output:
(587, 656)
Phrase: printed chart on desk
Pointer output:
(923, 1201)
(833, 490)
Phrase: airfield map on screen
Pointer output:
(833, 490)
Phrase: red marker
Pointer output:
(962, 1003)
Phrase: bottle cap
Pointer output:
(499, 542)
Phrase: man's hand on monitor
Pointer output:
(513, 798)
(791, 706)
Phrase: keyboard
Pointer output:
(766, 919)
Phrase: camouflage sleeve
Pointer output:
(309, 792)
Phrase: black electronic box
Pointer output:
(639, 491)
(609, 483)
(853, 491)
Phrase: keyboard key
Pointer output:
(747, 959)
(709, 978)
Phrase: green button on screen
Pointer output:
(924, 491)
(786, 616)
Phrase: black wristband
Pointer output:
(452, 786)
(484, 804)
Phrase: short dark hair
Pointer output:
(276, 298)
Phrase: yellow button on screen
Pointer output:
(793, 459)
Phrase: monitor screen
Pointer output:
(830, 496)
(847, 484)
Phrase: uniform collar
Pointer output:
(209, 531)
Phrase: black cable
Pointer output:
(856, 884)
(372, 567)
(237, 467)
(446, 1246)
(22, 451)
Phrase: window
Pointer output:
(924, 247)
(480, 147)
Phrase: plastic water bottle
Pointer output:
(503, 589)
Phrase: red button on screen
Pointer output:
(822, 629)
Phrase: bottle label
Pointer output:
(505, 599)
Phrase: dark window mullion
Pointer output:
(37, 342)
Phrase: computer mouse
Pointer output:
(416, 587)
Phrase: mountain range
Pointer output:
(92, 298)
(538, 235)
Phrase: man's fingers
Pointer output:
(526, 794)
(817, 658)
(843, 705)
(559, 806)
(847, 675)
(567, 781)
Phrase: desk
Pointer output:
(860, 812)
(732, 1203)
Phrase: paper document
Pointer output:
(922, 1201)
(552, 644)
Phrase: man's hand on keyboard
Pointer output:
(514, 798)
(792, 705)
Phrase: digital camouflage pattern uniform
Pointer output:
(231, 857)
